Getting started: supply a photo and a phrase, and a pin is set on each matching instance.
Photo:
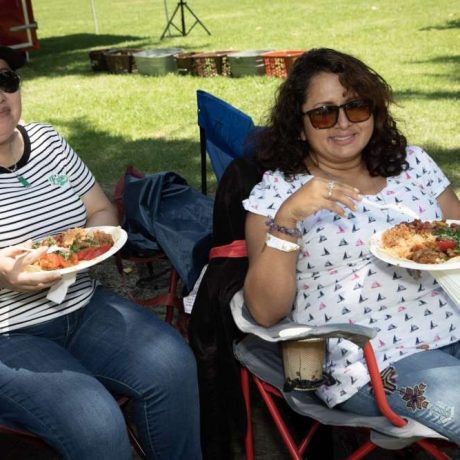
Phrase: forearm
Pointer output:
(270, 286)
(107, 216)
(99, 209)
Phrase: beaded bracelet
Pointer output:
(272, 225)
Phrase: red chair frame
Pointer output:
(296, 451)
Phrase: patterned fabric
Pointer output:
(339, 280)
(51, 203)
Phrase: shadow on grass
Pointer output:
(452, 24)
(434, 95)
(450, 63)
(68, 54)
(108, 155)
(447, 160)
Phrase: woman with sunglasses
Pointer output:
(330, 142)
(61, 364)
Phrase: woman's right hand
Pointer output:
(13, 274)
(316, 194)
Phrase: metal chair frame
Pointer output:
(297, 450)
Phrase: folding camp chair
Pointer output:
(261, 362)
(38, 443)
(223, 133)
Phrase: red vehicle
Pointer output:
(17, 25)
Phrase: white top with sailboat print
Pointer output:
(340, 281)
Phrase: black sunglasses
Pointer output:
(326, 116)
(9, 81)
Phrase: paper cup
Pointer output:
(303, 363)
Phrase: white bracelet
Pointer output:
(282, 245)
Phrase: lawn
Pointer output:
(114, 120)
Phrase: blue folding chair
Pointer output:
(224, 131)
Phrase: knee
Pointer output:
(97, 431)
(173, 364)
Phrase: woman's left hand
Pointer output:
(318, 193)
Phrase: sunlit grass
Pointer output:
(113, 120)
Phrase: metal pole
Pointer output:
(182, 16)
(93, 9)
(165, 3)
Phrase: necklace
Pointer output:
(13, 170)
(21, 179)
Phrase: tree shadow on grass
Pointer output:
(451, 64)
(447, 160)
(452, 24)
(433, 95)
(68, 54)
(107, 155)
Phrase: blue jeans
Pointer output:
(57, 380)
(422, 386)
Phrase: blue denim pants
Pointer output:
(422, 386)
(57, 379)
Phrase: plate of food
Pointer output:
(78, 248)
(420, 245)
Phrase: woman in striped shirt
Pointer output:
(61, 363)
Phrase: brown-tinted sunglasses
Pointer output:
(326, 116)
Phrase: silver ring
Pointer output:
(330, 188)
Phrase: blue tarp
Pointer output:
(163, 212)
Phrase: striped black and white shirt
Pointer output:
(42, 197)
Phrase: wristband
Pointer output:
(282, 245)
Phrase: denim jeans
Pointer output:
(422, 386)
(57, 379)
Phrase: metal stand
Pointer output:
(180, 8)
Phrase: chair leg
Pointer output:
(248, 441)
(135, 443)
(362, 451)
(306, 441)
(123, 403)
(172, 290)
(282, 428)
(437, 453)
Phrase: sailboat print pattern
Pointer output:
(340, 281)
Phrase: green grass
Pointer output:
(114, 120)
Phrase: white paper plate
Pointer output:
(119, 237)
(377, 249)
(449, 280)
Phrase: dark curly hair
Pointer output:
(279, 146)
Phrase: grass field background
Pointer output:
(113, 120)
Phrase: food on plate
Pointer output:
(71, 247)
(423, 242)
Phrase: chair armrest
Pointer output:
(360, 335)
(287, 329)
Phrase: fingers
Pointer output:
(35, 281)
(336, 192)
(28, 257)
(317, 194)
(13, 251)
